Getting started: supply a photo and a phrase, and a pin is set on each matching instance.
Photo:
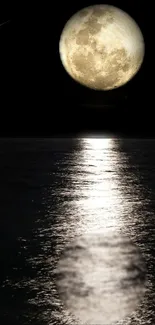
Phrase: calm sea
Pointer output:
(77, 231)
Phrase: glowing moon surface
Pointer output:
(101, 47)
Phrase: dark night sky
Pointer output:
(38, 98)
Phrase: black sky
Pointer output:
(38, 98)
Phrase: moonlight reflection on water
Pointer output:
(100, 278)
(100, 203)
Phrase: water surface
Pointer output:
(54, 191)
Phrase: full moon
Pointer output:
(101, 47)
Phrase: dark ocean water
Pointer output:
(77, 231)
